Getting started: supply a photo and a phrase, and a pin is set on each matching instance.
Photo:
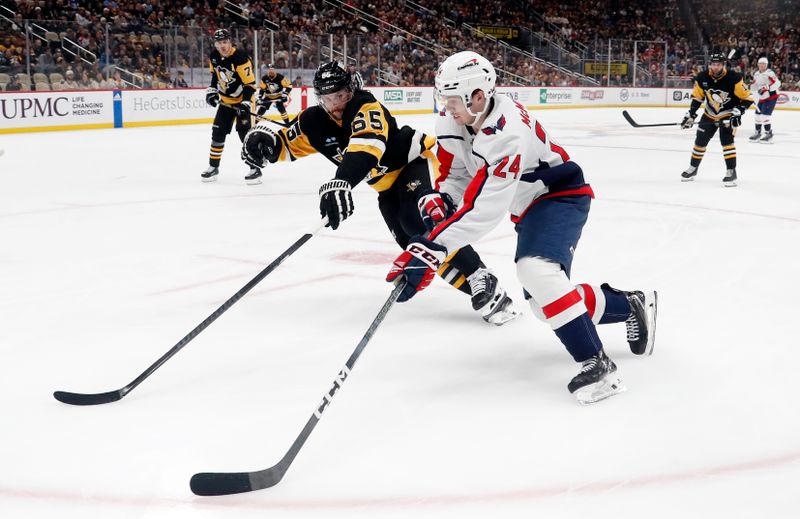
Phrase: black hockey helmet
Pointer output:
(222, 34)
(330, 77)
(716, 57)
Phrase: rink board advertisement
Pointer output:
(73, 110)
(40, 111)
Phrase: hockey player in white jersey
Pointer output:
(767, 85)
(516, 167)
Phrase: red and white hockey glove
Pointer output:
(434, 208)
(417, 265)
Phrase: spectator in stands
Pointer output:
(86, 82)
(180, 82)
(69, 82)
(15, 85)
(298, 81)
(102, 82)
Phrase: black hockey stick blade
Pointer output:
(225, 483)
(88, 399)
(633, 123)
(112, 396)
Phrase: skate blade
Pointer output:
(684, 179)
(253, 182)
(209, 179)
(651, 311)
(731, 183)
(600, 390)
(766, 142)
(503, 312)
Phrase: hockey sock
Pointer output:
(215, 154)
(579, 336)
(758, 128)
(697, 155)
(605, 305)
(729, 152)
(454, 277)
(768, 127)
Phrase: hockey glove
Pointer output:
(244, 107)
(688, 120)
(261, 146)
(417, 265)
(212, 96)
(435, 207)
(284, 98)
(335, 201)
(736, 117)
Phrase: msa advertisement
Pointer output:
(62, 110)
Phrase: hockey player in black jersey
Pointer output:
(274, 88)
(726, 99)
(361, 137)
(231, 91)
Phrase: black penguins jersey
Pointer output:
(272, 88)
(232, 76)
(367, 144)
(721, 95)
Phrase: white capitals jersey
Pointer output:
(766, 84)
(510, 163)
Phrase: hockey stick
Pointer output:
(628, 118)
(224, 483)
(259, 117)
(112, 396)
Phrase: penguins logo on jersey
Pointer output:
(225, 77)
(717, 98)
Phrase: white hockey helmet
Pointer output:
(463, 73)
(763, 60)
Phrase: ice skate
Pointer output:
(210, 175)
(490, 299)
(755, 137)
(689, 174)
(254, 177)
(641, 325)
(767, 138)
(729, 180)
(597, 380)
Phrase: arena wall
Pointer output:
(75, 110)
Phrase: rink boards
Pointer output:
(76, 110)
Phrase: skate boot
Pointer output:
(210, 175)
(597, 380)
(641, 325)
(756, 136)
(729, 180)
(767, 138)
(689, 174)
(490, 299)
(254, 177)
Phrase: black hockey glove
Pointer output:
(435, 207)
(284, 98)
(335, 201)
(212, 96)
(688, 120)
(244, 107)
(736, 117)
(261, 146)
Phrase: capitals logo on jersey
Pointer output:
(491, 130)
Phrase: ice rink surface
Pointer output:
(111, 250)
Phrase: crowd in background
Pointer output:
(145, 43)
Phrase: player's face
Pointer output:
(271, 72)
(336, 102)
(454, 105)
(223, 46)
(715, 68)
(762, 67)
